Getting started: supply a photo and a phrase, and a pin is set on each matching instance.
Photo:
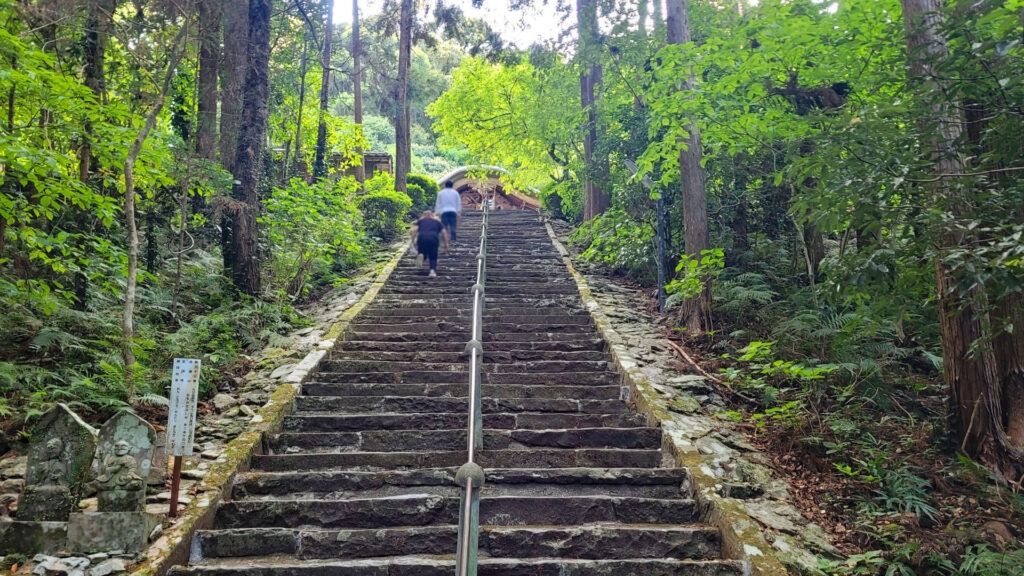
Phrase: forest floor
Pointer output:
(888, 486)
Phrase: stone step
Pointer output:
(517, 391)
(452, 420)
(533, 458)
(387, 367)
(459, 357)
(453, 377)
(440, 566)
(454, 440)
(465, 317)
(462, 336)
(466, 309)
(410, 404)
(585, 345)
(427, 287)
(579, 542)
(466, 299)
(460, 325)
(639, 482)
(433, 510)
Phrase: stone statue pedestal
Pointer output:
(121, 500)
(32, 537)
(47, 503)
(93, 532)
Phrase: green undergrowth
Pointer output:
(53, 352)
(841, 385)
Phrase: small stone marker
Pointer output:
(123, 461)
(59, 456)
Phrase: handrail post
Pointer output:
(471, 477)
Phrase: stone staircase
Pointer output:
(361, 479)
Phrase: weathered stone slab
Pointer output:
(59, 456)
(123, 462)
(158, 467)
(105, 531)
(32, 537)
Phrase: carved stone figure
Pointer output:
(123, 461)
(62, 447)
(120, 471)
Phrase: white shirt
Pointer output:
(448, 200)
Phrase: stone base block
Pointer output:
(121, 500)
(47, 503)
(92, 532)
(32, 537)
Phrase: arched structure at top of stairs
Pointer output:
(476, 181)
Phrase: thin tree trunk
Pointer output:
(641, 25)
(302, 104)
(403, 152)
(320, 162)
(357, 88)
(595, 200)
(695, 313)
(128, 314)
(249, 156)
(209, 57)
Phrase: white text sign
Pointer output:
(181, 417)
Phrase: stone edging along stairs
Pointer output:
(359, 479)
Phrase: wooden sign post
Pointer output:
(181, 418)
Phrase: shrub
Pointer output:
(383, 213)
(618, 241)
(427, 192)
(313, 228)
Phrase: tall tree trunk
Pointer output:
(249, 156)
(972, 359)
(298, 120)
(236, 39)
(403, 146)
(128, 314)
(641, 24)
(320, 162)
(695, 313)
(97, 30)
(595, 200)
(357, 89)
(209, 57)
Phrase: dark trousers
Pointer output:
(428, 247)
(450, 219)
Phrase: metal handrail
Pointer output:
(470, 475)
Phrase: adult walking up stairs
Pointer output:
(361, 479)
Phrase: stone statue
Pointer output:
(46, 484)
(59, 454)
(119, 486)
(120, 470)
(51, 471)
